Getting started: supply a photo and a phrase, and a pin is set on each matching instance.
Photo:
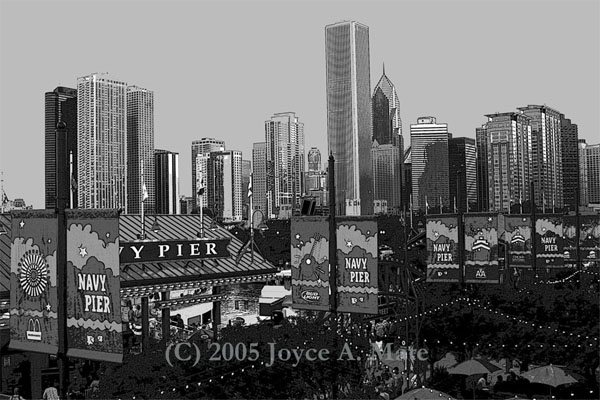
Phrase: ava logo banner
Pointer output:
(481, 248)
(94, 313)
(33, 296)
(518, 237)
(357, 266)
(549, 241)
(310, 263)
(442, 249)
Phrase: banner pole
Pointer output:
(332, 260)
(62, 197)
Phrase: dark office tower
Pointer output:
(547, 159)
(284, 135)
(166, 178)
(314, 159)
(508, 160)
(224, 183)
(570, 162)
(387, 124)
(592, 155)
(259, 179)
(246, 172)
(481, 139)
(349, 132)
(101, 142)
(140, 149)
(462, 176)
(60, 105)
(583, 173)
(407, 179)
(202, 147)
(429, 156)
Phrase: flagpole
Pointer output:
(143, 235)
(200, 195)
(251, 195)
(71, 172)
(426, 205)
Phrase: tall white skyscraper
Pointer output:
(101, 142)
(166, 176)
(349, 130)
(429, 156)
(224, 182)
(284, 136)
(140, 149)
(259, 179)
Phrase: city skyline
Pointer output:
(188, 94)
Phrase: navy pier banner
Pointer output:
(481, 248)
(518, 238)
(146, 251)
(549, 241)
(442, 249)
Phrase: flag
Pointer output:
(250, 187)
(4, 198)
(73, 184)
(201, 187)
(426, 205)
(144, 192)
(243, 251)
(455, 209)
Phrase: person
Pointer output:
(180, 323)
(481, 382)
(51, 393)
(16, 395)
(499, 384)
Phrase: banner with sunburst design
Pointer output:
(94, 305)
(33, 296)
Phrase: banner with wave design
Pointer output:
(481, 248)
(549, 241)
(517, 234)
(33, 295)
(94, 325)
(442, 248)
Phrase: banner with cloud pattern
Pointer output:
(442, 248)
(481, 248)
(94, 306)
(549, 241)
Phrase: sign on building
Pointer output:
(442, 249)
(135, 252)
(33, 295)
(94, 326)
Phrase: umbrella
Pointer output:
(424, 394)
(473, 367)
(549, 375)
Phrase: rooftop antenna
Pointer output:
(384, 68)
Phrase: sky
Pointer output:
(221, 69)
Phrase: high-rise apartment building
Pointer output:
(387, 151)
(259, 179)
(314, 159)
(101, 142)
(407, 179)
(224, 182)
(570, 162)
(593, 169)
(583, 173)
(429, 156)
(462, 173)
(140, 149)
(509, 154)
(547, 159)
(166, 178)
(204, 147)
(482, 143)
(60, 105)
(284, 136)
(349, 131)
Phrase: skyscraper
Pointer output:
(570, 162)
(593, 169)
(314, 159)
(259, 179)
(387, 151)
(284, 136)
(429, 156)
(140, 149)
(166, 178)
(462, 173)
(583, 173)
(407, 179)
(60, 105)
(224, 182)
(547, 159)
(101, 142)
(509, 153)
(482, 143)
(203, 146)
(349, 131)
